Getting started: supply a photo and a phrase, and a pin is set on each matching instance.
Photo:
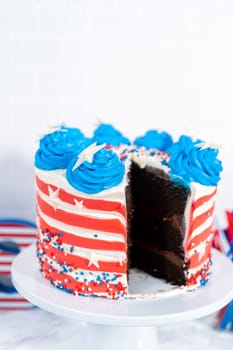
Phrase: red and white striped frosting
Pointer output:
(82, 238)
(199, 233)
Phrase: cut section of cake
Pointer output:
(174, 201)
(158, 225)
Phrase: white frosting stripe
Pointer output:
(81, 232)
(199, 218)
(208, 223)
(207, 206)
(198, 192)
(58, 179)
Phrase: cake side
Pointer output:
(196, 164)
(102, 205)
(199, 233)
(81, 242)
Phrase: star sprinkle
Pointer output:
(121, 261)
(78, 205)
(202, 249)
(53, 197)
(87, 154)
(93, 260)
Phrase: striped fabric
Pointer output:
(22, 233)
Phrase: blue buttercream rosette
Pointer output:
(155, 139)
(95, 169)
(195, 161)
(59, 147)
(106, 133)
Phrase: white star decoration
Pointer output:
(53, 197)
(204, 145)
(202, 249)
(54, 128)
(78, 205)
(121, 261)
(50, 130)
(87, 154)
(93, 260)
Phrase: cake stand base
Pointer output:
(124, 338)
(125, 324)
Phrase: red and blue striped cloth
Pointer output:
(223, 241)
(15, 235)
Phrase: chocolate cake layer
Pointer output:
(157, 227)
(167, 235)
(153, 189)
(158, 263)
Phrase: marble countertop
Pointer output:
(38, 329)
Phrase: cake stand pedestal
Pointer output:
(125, 324)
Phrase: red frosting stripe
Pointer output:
(83, 242)
(200, 238)
(199, 220)
(204, 199)
(195, 261)
(108, 225)
(78, 262)
(89, 288)
(95, 204)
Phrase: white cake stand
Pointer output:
(127, 324)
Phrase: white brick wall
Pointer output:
(166, 63)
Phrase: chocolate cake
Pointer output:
(105, 205)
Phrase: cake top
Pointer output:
(92, 165)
